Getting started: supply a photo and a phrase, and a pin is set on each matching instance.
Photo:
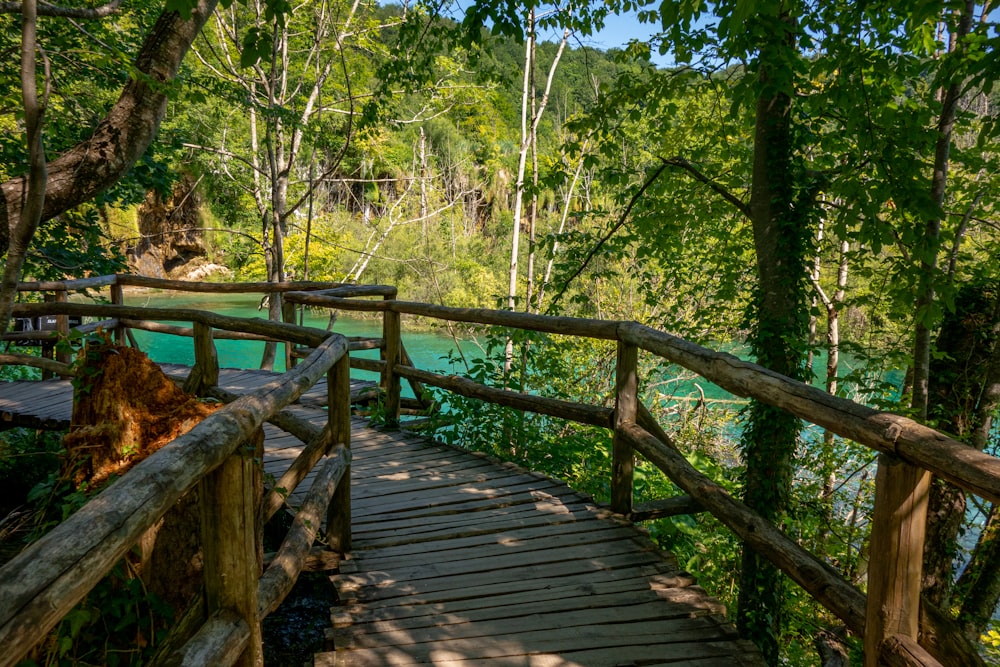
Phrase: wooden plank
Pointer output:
(373, 585)
(637, 582)
(563, 631)
(462, 592)
(598, 658)
(572, 601)
(381, 538)
(432, 503)
(522, 541)
(432, 483)
(457, 654)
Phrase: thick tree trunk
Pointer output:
(959, 397)
(780, 238)
(118, 141)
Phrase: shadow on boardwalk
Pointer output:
(460, 561)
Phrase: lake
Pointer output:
(428, 349)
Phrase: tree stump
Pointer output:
(124, 409)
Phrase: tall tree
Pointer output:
(48, 189)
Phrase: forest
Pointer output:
(808, 184)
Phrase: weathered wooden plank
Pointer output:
(571, 630)
(505, 543)
(440, 503)
(368, 585)
(419, 470)
(485, 520)
(461, 592)
(572, 601)
(637, 582)
(456, 654)
(443, 483)
(418, 533)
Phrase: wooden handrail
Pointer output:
(890, 434)
(51, 575)
(915, 443)
(885, 432)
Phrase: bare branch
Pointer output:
(682, 163)
(47, 9)
(618, 225)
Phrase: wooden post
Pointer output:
(626, 411)
(897, 548)
(118, 299)
(62, 326)
(205, 372)
(390, 380)
(338, 516)
(229, 536)
(288, 317)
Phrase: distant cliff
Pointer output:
(171, 238)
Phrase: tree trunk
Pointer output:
(778, 211)
(21, 233)
(119, 140)
(963, 398)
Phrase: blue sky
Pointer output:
(617, 32)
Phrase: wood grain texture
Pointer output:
(459, 560)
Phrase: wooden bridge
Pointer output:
(450, 558)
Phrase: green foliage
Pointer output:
(119, 623)
(557, 368)
(73, 244)
(27, 457)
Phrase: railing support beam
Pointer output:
(390, 379)
(897, 547)
(338, 518)
(229, 511)
(118, 299)
(205, 373)
(626, 412)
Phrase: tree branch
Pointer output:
(682, 163)
(47, 9)
(123, 135)
(618, 225)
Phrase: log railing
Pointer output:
(41, 584)
(889, 619)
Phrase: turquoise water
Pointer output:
(428, 349)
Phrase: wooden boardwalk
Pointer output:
(460, 561)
